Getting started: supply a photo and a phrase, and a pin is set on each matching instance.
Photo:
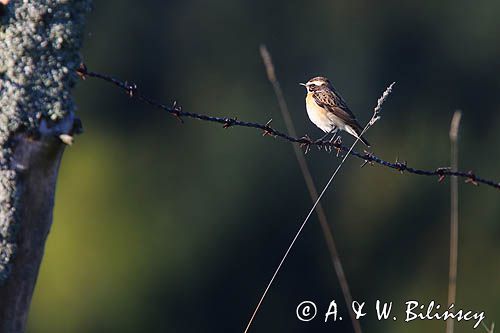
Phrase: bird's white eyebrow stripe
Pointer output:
(316, 82)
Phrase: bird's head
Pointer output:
(316, 83)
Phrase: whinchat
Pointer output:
(327, 110)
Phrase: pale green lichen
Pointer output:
(39, 52)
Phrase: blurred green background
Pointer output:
(163, 227)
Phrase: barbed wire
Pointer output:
(368, 158)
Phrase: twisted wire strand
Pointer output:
(176, 110)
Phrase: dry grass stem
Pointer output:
(489, 329)
(313, 192)
(452, 277)
(375, 118)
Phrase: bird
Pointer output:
(328, 110)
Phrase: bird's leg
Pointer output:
(324, 136)
(338, 144)
(334, 132)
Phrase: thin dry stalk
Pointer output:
(375, 118)
(313, 192)
(489, 329)
(452, 277)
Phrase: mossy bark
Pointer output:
(39, 52)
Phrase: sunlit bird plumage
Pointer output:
(328, 111)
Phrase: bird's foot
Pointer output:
(337, 144)
(336, 140)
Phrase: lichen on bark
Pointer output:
(39, 52)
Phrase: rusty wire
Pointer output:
(176, 110)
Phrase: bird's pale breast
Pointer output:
(318, 115)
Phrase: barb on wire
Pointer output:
(134, 92)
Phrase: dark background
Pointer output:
(163, 227)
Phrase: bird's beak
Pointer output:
(303, 84)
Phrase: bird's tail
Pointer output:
(365, 141)
(356, 133)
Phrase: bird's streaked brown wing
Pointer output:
(334, 103)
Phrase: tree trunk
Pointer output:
(39, 52)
